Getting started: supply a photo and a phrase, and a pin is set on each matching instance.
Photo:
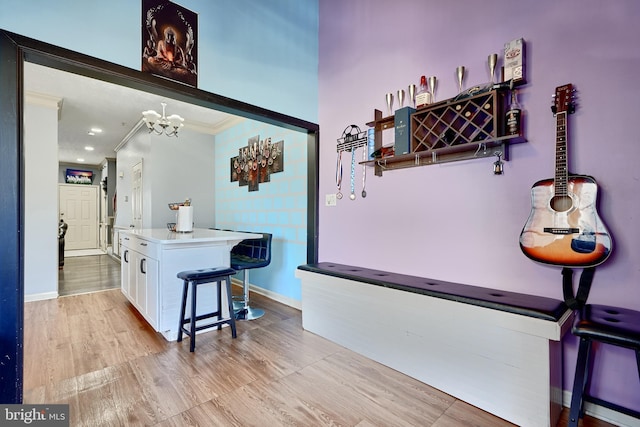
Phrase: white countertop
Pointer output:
(199, 235)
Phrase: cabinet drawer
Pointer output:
(141, 246)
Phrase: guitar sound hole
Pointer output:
(561, 203)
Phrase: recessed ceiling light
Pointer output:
(91, 133)
(80, 160)
(96, 130)
(88, 148)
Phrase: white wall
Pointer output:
(173, 169)
(41, 197)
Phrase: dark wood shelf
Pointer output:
(469, 151)
(450, 130)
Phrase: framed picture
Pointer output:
(75, 176)
(169, 41)
(255, 162)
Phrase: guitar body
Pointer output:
(566, 230)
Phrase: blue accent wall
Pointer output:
(278, 207)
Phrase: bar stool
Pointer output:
(610, 325)
(199, 277)
(247, 255)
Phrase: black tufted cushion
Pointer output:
(522, 304)
(206, 275)
(612, 325)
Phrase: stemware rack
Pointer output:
(450, 130)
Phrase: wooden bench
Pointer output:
(500, 351)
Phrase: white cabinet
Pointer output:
(139, 274)
(151, 260)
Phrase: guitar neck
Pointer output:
(562, 172)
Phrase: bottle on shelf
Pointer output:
(423, 96)
(514, 115)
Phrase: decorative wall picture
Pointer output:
(75, 176)
(169, 41)
(255, 163)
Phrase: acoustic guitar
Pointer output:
(564, 227)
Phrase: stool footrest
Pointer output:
(202, 316)
(201, 327)
(612, 406)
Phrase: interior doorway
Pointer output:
(78, 205)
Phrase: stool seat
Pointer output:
(617, 326)
(206, 274)
(609, 325)
(194, 278)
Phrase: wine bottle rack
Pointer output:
(457, 123)
(451, 130)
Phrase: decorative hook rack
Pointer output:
(352, 139)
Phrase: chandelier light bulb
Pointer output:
(160, 124)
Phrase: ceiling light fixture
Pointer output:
(167, 125)
(88, 148)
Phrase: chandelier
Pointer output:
(160, 124)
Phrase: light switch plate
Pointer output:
(330, 200)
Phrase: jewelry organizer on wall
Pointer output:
(450, 130)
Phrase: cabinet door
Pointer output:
(125, 273)
(151, 291)
(141, 284)
(134, 259)
(146, 289)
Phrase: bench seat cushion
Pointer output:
(513, 302)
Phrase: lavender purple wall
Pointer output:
(458, 221)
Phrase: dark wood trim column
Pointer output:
(11, 222)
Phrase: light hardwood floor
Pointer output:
(94, 352)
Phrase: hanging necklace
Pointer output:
(339, 175)
(364, 171)
(352, 196)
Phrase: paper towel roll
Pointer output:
(185, 219)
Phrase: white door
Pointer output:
(79, 209)
(136, 195)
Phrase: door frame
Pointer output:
(14, 50)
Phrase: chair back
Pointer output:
(256, 252)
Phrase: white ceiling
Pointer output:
(87, 103)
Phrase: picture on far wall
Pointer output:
(75, 176)
(255, 163)
(169, 41)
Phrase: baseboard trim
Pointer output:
(271, 295)
(602, 413)
(40, 297)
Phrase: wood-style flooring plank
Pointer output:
(96, 353)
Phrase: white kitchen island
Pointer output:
(151, 259)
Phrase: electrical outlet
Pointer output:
(330, 200)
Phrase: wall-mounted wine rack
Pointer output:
(450, 130)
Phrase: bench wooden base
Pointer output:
(505, 363)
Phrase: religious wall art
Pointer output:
(255, 163)
(169, 41)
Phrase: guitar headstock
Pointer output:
(563, 100)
